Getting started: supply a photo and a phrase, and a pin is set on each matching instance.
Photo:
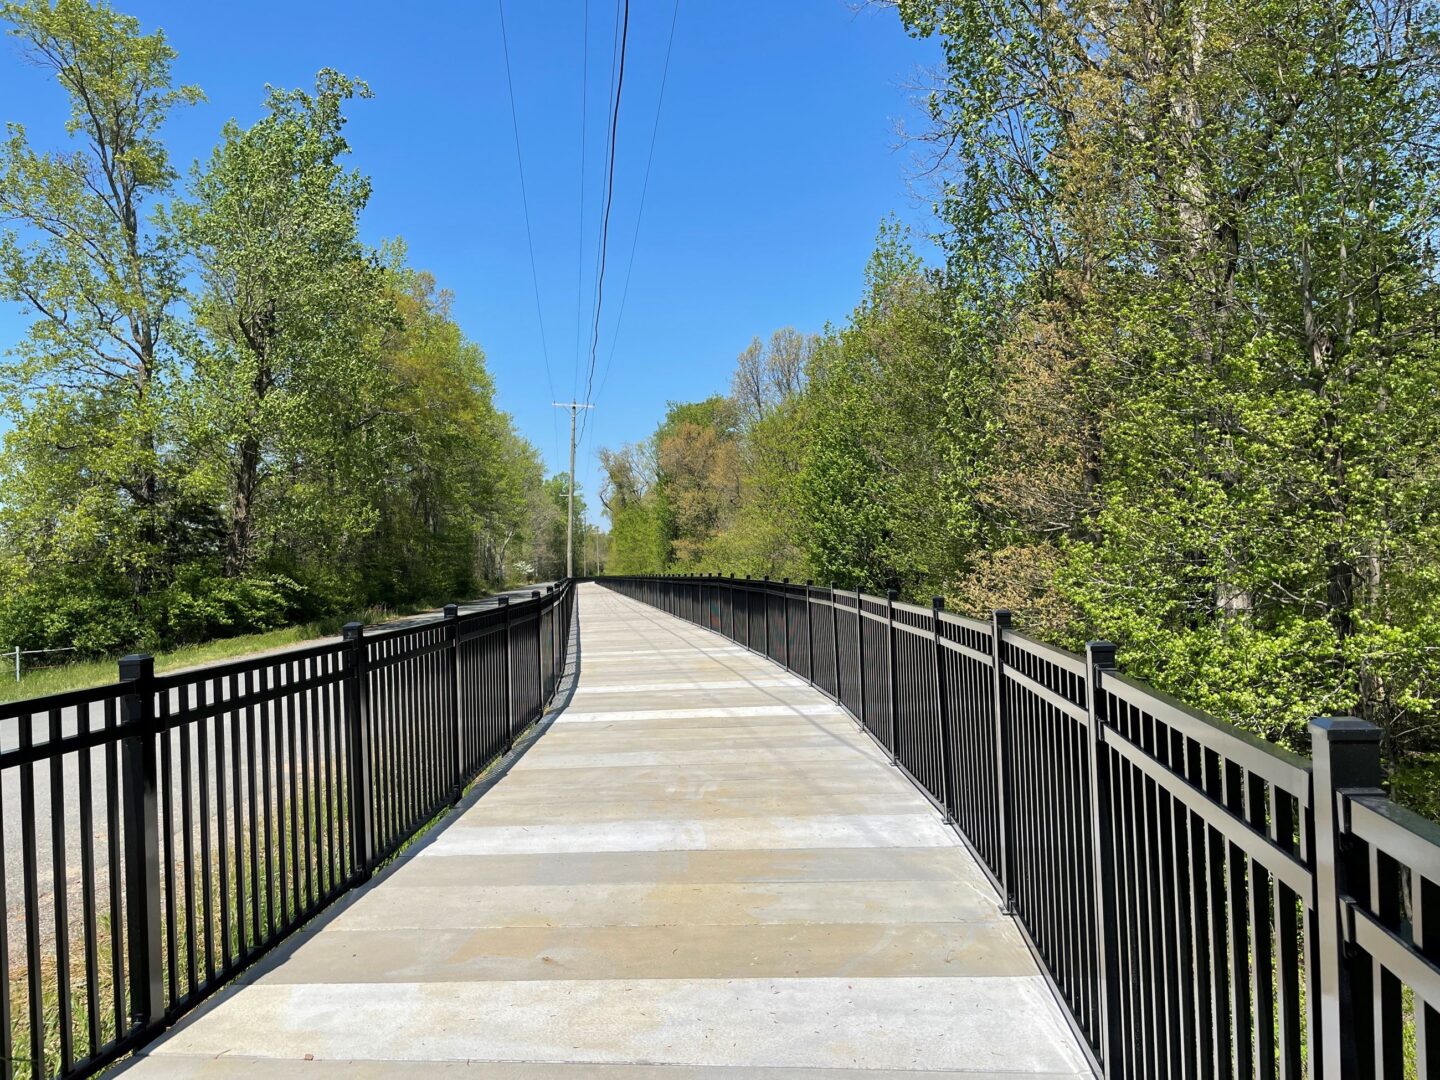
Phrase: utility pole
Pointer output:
(574, 407)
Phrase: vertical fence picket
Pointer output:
(1100, 657)
(1347, 758)
(360, 779)
(942, 714)
(451, 689)
(7, 1035)
(143, 935)
(509, 676)
(890, 680)
(860, 657)
(999, 623)
(809, 631)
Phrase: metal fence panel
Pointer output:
(1202, 903)
(162, 833)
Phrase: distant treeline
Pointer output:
(1177, 383)
(229, 413)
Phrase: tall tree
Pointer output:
(85, 468)
(292, 310)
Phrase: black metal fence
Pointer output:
(1204, 904)
(160, 834)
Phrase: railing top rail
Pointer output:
(32, 750)
(185, 677)
(244, 665)
(1402, 834)
(964, 620)
(68, 699)
(1060, 657)
(1279, 766)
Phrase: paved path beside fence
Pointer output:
(699, 869)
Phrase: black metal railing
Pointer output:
(1203, 904)
(160, 834)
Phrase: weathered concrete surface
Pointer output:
(700, 870)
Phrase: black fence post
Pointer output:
(1346, 753)
(835, 639)
(509, 678)
(452, 689)
(539, 657)
(357, 741)
(860, 656)
(890, 676)
(999, 623)
(942, 711)
(140, 788)
(765, 611)
(785, 611)
(554, 659)
(809, 634)
(1099, 658)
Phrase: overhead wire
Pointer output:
(609, 203)
(524, 198)
(604, 171)
(580, 239)
(640, 213)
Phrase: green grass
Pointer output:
(39, 681)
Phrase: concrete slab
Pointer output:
(780, 950)
(889, 1023)
(682, 867)
(470, 906)
(701, 871)
(181, 1067)
(756, 802)
(738, 712)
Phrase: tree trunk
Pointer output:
(242, 508)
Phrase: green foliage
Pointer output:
(296, 429)
(291, 408)
(1177, 384)
(94, 376)
(638, 544)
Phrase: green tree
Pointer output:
(89, 487)
(1198, 241)
(455, 470)
(883, 504)
(292, 410)
(640, 526)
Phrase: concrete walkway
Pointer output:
(699, 869)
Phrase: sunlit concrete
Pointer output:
(699, 870)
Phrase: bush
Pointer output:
(200, 604)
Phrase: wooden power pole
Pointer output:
(574, 407)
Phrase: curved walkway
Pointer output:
(700, 868)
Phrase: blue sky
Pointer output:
(776, 160)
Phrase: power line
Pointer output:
(524, 199)
(604, 170)
(639, 214)
(609, 202)
(580, 239)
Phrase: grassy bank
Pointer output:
(39, 681)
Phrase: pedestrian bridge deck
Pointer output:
(698, 867)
